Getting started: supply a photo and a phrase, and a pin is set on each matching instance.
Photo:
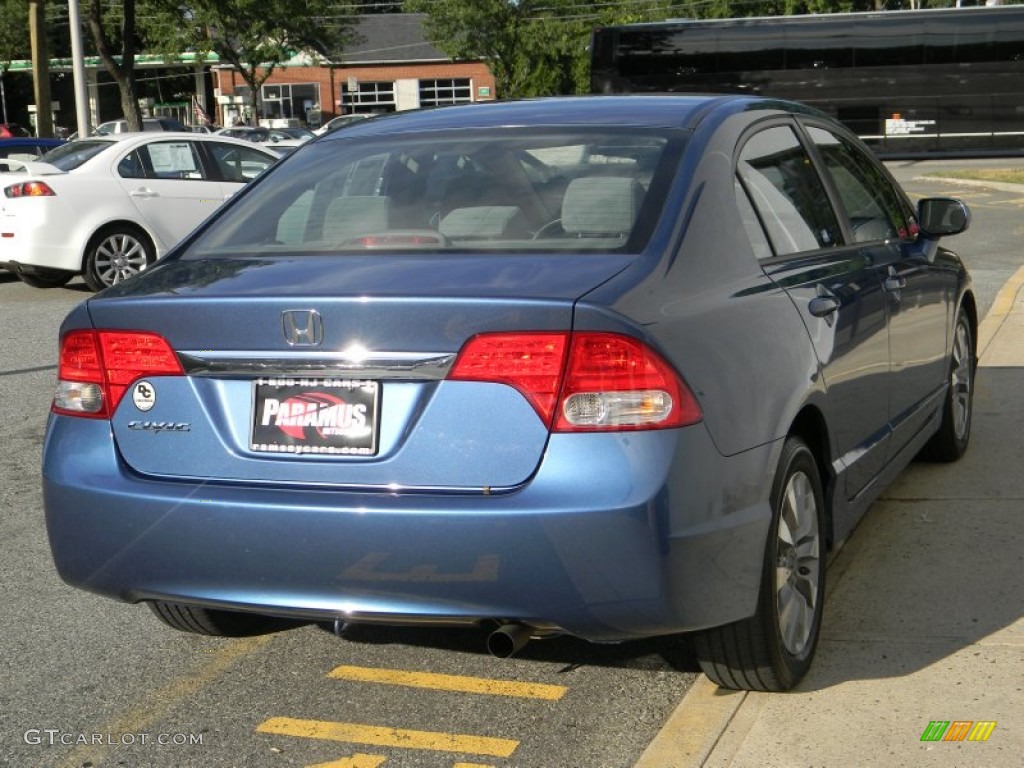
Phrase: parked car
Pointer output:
(341, 121)
(295, 132)
(109, 206)
(279, 137)
(13, 130)
(148, 124)
(612, 367)
(15, 151)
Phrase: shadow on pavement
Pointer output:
(937, 564)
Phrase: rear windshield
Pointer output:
(69, 156)
(510, 190)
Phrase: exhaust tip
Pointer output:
(507, 640)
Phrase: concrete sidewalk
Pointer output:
(924, 618)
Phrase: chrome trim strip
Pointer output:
(399, 365)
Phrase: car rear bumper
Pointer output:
(616, 536)
(32, 240)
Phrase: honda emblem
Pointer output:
(302, 327)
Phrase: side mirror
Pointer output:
(942, 216)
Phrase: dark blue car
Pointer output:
(613, 367)
(22, 149)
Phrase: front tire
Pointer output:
(772, 650)
(950, 442)
(115, 254)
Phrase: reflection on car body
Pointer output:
(614, 367)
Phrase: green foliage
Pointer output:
(532, 47)
(14, 42)
(113, 30)
(254, 36)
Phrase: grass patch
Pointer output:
(1008, 175)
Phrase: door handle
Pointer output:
(894, 281)
(143, 192)
(823, 306)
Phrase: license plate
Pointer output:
(315, 416)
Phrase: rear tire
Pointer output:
(116, 253)
(216, 623)
(46, 278)
(950, 442)
(772, 650)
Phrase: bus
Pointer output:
(909, 83)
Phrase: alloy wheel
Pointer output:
(960, 381)
(797, 563)
(118, 257)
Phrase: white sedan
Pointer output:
(108, 206)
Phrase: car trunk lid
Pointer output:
(330, 370)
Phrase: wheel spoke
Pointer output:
(798, 563)
(794, 618)
(960, 381)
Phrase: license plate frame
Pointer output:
(320, 416)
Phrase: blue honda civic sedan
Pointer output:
(612, 367)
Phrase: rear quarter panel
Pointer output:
(702, 298)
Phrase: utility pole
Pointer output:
(3, 94)
(40, 68)
(82, 109)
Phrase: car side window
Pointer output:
(874, 209)
(780, 182)
(170, 160)
(131, 166)
(238, 164)
(748, 218)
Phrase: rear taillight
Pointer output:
(30, 189)
(581, 382)
(531, 362)
(618, 382)
(96, 367)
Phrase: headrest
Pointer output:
(601, 205)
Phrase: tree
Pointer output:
(532, 47)
(254, 36)
(14, 42)
(112, 26)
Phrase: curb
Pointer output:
(997, 316)
(694, 729)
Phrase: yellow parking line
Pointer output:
(380, 736)
(358, 760)
(449, 682)
(142, 714)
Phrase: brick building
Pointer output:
(391, 66)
